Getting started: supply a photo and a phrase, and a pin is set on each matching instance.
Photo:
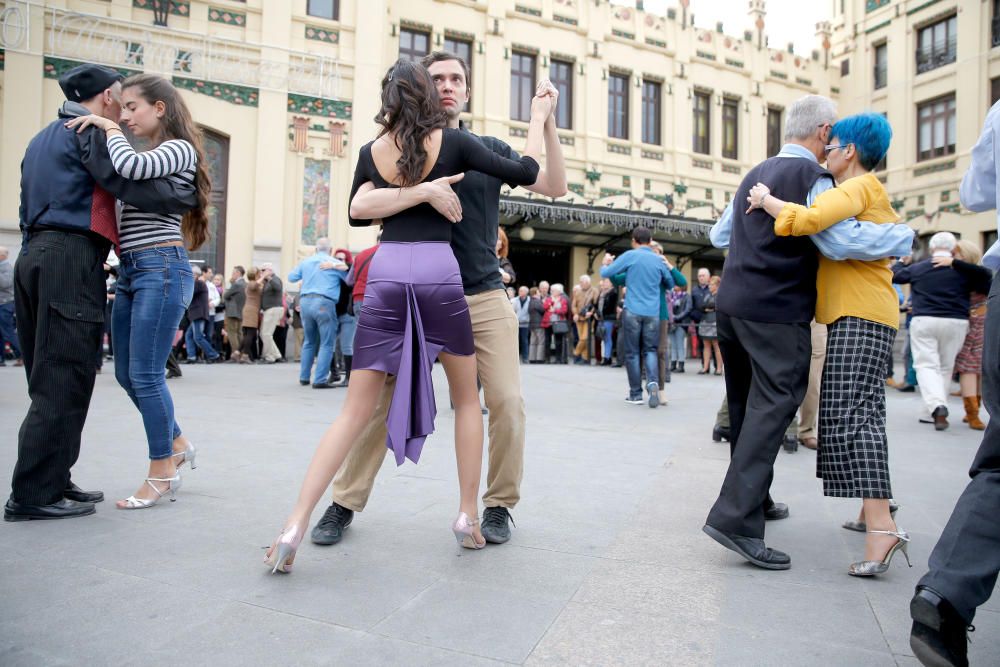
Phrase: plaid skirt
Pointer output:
(853, 457)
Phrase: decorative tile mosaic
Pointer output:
(53, 67)
(317, 106)
(322, 34)
(227, 17)
(239, 95)
(315, 200)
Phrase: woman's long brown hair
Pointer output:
(410, 111)
(178, 124)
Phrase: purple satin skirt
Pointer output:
(414, 308)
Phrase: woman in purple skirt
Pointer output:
(414, 309)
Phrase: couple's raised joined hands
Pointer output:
(543, 104)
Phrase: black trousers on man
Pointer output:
(60, 297)
(767, 371)
(966, 560)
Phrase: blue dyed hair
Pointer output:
(869, 132)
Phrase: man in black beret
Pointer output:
(68, 225)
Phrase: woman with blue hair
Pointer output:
(857, 302)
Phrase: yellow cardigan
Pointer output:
(848, 288)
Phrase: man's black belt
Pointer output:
(72, 231)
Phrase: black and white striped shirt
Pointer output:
(175, 159)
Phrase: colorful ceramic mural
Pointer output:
(315, 200)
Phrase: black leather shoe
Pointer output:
(940, 416)
(304, 383)
(322, 385)
(171, 374)
(776, 511)
(63, 509)
(906, 388)
(495, 524)
(790, 443)
(751, 548)
(719, 434)
(74, 492)
(939, 635)
(331, 527)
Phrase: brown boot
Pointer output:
(972, 413)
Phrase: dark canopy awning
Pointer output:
(600, 228)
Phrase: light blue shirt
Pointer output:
(978, 191)
(325, 282)
(644, 272)
(848, 239)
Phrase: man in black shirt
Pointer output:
(494, 325)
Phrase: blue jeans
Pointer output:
(642, 336)
(195, 338)
(345, 336)
(7, 332)
(319, 326)
(155, 286)
(523, 341)
(608, 349)
(678, 344)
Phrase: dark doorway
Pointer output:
(535, 262)
(213, 253)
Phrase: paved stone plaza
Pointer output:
(607, 566)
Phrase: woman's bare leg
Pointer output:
(461, 372)
(969, 384)
(359, 406)
(877, 517)
(718, 356)
(706, 355)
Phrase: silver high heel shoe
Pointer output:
(870, 568)
(188, 455)
(464, 534)
(284, 550)
(173, 483)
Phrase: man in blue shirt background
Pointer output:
(645, 272)
(321, 277)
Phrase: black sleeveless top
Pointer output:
(459, 152)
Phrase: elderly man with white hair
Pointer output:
(7, 332)
(584, 300)
(940, 288)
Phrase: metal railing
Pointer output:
(881, 76)
(936, 55)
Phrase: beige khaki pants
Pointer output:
(809, 421)
(234, 331)
(494, 329)
(270, 321)
(583, 333)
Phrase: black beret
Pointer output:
(84, 81)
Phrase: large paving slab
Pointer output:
(608, 565)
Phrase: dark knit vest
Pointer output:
(768, 278)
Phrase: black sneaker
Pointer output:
(494, 526)
(331, 527)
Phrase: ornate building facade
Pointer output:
(933, 68)
(658, 119)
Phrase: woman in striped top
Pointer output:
(155, 282)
